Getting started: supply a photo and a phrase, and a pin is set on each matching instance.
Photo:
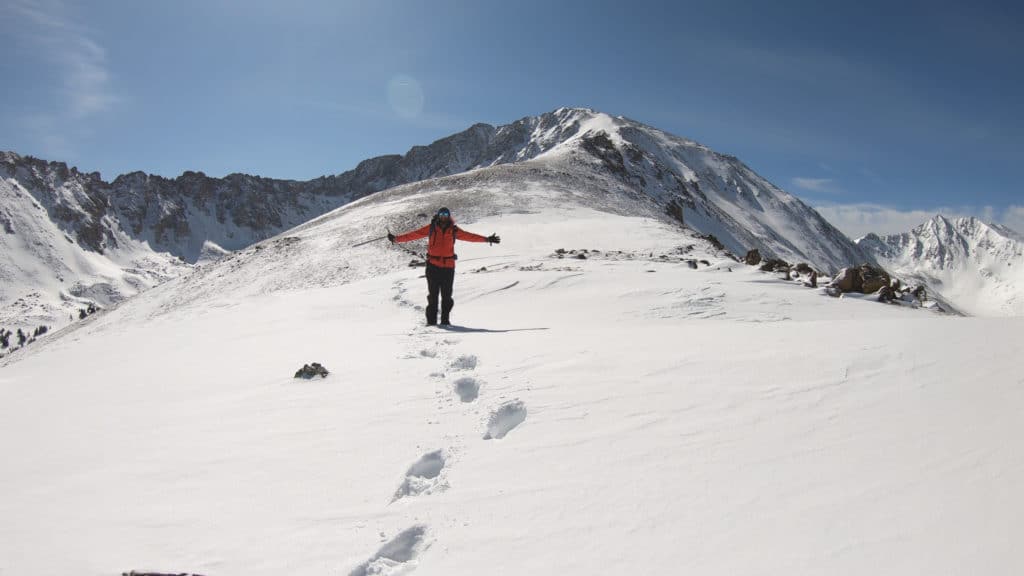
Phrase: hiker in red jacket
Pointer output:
(441, 257)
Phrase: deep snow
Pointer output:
(643, 418)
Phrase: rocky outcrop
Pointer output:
(865, 279)
(775, 265)
(873, 279)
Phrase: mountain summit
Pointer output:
(88, 240)
(976, 267)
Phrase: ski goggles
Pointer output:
(444, 214)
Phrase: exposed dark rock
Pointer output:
(920, 293)
(753, 257)
(803, 268)
(134, 573)
(847, 280)
(714, 241)
(602, 147)
(775, 265)
(865, 279)
(84, 313)
(886, 294)
(674, 208)
(312, 370)
(873, 279)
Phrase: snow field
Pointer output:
(706, 421)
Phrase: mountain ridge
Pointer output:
(977, 267)
(172, 223)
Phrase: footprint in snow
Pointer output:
(464, 363)
(399, 553)
(467, 388)
(424, 476)
(505, 418)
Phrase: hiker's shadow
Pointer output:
(487, 330)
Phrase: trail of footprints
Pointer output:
(426, 475)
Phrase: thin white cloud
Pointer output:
(1014, 218)
(822, 185)
(88, 83)
(856, 220)
(84, 87)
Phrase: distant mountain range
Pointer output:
(976, 267)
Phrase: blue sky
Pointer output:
(880, 114)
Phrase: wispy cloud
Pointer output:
(1014, 218)
(856, 220)
(823, 185)
(83, 89)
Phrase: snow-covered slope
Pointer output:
(59, 252)
(977, 267)
(623, 413)
(132, 229)
(712, 193)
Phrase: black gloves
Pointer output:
(494, 239)
(391, 237)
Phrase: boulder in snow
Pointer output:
(873, 279)
(847, 280)
(312, 370)
(775, 265)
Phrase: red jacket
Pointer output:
(441, 247)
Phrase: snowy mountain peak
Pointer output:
(977, 267)
(156, 225)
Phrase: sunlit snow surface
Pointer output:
(625, 414)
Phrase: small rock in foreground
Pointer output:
(311, 370)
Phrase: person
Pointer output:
(442, 233)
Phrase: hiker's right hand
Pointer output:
(391, 237)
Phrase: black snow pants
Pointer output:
(439, 282)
